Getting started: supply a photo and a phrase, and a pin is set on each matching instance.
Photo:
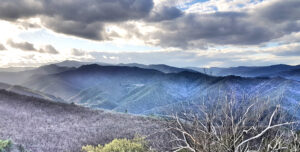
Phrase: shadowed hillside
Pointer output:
(47, 126)
(29, 92)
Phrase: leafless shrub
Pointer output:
(228, 125)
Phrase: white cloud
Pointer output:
(8, 30)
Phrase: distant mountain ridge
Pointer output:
(17, 78)
(76, 64)
(156, 89)
(159, 67)
(280, 70)
(147, 91)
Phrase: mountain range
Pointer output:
(157, 89)
(280, 70)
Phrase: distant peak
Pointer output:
(49, 66)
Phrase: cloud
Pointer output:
(27, 25)
(194, 31)
(48, 49)
(286, 50)
(226, 57)
(64, 17)
(163, 13)
(76, 17)
(291, 38)
(174, 23)
(295, 52)
(25, 46)
(77, 52)
(280, 11)
(252, 26)
(16, 9)
(2, 47)
(176, 58)
(74, 28)
(88, 11)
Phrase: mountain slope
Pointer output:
(272, 90)
(244, 71)
(293, 74)
(111, 86)
(77, 64)
(41, 125)
(17, 78)
(29, 92)
(159, 67)
(145, 98)
(112, 78)
(144, 91)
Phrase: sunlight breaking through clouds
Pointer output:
(150, 26)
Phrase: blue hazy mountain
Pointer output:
(17, 78)
(159, 67)
(293, 74)
(76, 64)
(154, 89)
(148, 91)
(282, 70)
(29, 92)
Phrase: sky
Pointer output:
(183, 33)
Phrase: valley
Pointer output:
(92, 103)
(143, 91)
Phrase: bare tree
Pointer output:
(231, 126)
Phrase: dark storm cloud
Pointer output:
(2, 47)
(77, 17)
(25, 46)
(86, 19)
(194, 30)
(164, 13)
(251, 27)
(280, 11)
(15, 9)
(90, 11)
(79, 29)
